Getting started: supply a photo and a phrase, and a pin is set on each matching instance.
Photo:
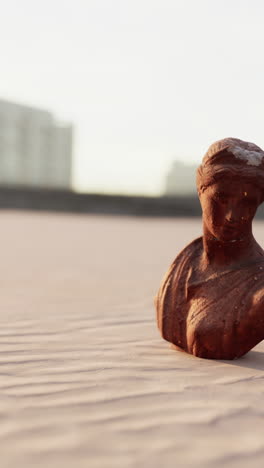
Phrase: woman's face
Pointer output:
(229, 207)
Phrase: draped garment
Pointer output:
(221, 317)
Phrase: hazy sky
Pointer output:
(144, 81)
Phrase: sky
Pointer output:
(144, 82)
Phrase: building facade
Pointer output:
(35, 149)
(181, 179)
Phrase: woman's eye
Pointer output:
(220, 197)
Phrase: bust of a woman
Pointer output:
(211, 301)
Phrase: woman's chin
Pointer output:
(229, 236)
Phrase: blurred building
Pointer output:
(181, 179)
(35, 149)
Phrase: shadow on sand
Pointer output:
(252, 360)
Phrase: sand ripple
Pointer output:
(85, 379)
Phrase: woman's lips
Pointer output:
(231, 230)
(231, 227)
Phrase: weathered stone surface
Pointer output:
(211, 301)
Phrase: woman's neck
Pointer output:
(220, 253)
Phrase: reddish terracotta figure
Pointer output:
(211, 301)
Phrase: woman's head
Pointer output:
(230, 183)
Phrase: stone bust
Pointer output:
(211, 301)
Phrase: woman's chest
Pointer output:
(209, 313)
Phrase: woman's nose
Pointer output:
(232, 215)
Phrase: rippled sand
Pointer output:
(86, 381)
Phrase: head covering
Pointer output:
(235, 157)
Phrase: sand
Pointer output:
(86, 380)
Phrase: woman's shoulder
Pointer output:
(192, 249)
(255, 293)
(181, 264)
(258, 290)
(173, 283)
